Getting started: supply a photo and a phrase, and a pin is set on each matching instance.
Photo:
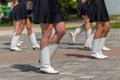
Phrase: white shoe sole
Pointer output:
(96, 57)
(73, 39)
(45, 72)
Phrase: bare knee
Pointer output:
(61, 33)
(29, 29)
(107, 28)
(100, 30)
(19, 31)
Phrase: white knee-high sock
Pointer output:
(96, 51)
(45, 65)
(14, 40)
(53, 48)
(96, 45)
(102, 43)
(88, 33)
(53, 32)
(45, 57)
(78, 30)
(89, 41)
(33, 40)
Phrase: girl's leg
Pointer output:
(48, 49)
(96, 49)
(76, 32)
(88, 43)
(104, 35)
(54, 42)
(106, 29)
(88, 30)
(15, 38)
(53, 32)
(45, 65)
(31, 35)
(21, 27)
(60, 31)
(87, 26)
(90, 39)
(16, 26)
(29, 27)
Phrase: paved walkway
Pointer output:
(72, 60)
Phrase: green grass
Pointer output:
(114, 16)
(114, 25)
(75, 17)
(5, 24)
(71, 28)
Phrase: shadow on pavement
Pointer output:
(6, 43)
(79, 56)
(71, 44)
(26, 68)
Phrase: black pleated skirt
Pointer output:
(82, 9)
(14, 14)
(19, 12)
(98, 11)
(22, 11)
(46, 11)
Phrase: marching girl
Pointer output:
(13, 17)
(19, 18)
(98, 14)
(82, 11)
(48, 15)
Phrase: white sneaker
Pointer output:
(72, 37)
(18, 44)
(106, 49)
(36, 46)
(15, 49)
(48, 70)
(88, 46)
(105, 56)
(97, 55)
(21, 42)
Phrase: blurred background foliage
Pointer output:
(67, 7)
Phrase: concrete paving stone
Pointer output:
(115, 76)
(65, 78)
(86, 77)
(105, 77)
(3, 78)
(72, 60)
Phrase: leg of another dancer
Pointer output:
(15, 38)
(31, 35)
(97, 42)
(76, 32)
(48, 48)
